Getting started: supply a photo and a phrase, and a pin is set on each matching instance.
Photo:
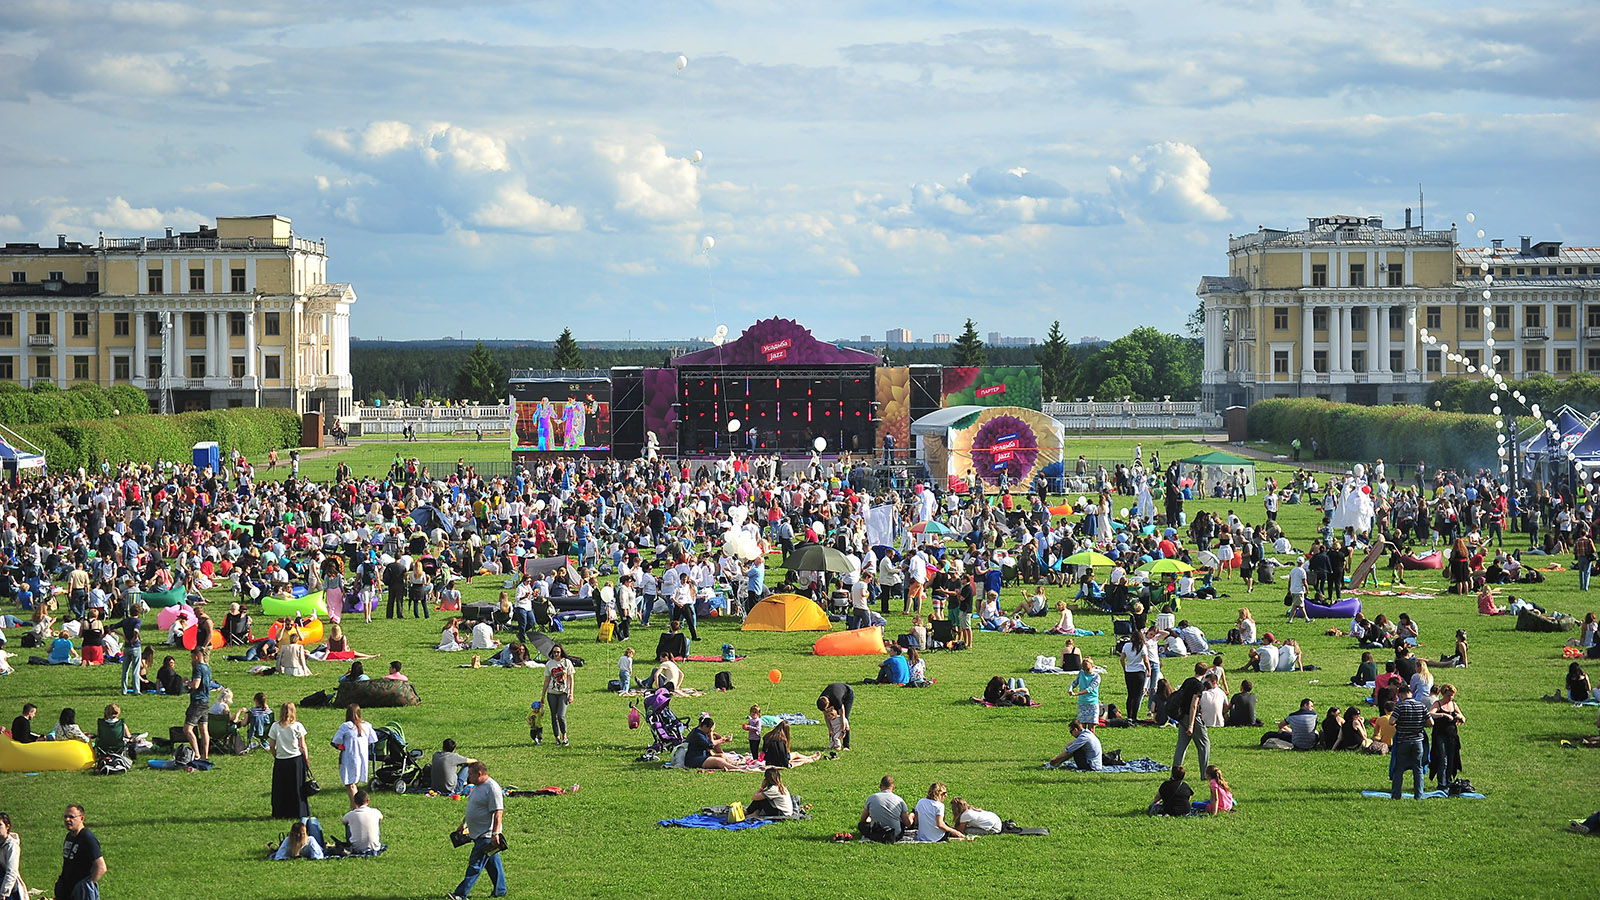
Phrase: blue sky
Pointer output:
(501, 169)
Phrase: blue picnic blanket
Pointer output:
(1144, 764)
(1084, 632)
(702, 820)
(767, 721)
(1428, 795)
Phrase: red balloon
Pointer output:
(1366, 489)
(774, 676)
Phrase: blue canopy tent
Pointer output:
(14, 460)
(1571, 426)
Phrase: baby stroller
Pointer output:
(666, 728)
(395, 766)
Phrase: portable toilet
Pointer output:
(208, 454)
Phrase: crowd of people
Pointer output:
(652, 537)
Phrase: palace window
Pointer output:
(1319, 275)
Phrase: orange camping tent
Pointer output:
(786, 612)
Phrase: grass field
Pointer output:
(1302, 828)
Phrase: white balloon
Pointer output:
(1486, 296)
(1488, 310)
(1497, 410)
(1534, 409)
(1500, 438)
(1471, 217)
(683, 61)
(717, 339)
(1501, 452)
(1480, 232)
(707, 242)
(698, 156)
(1488, 342)
(733, 426)
(1488, 279)
(820, 444)
(722, 330)
(1483, 267)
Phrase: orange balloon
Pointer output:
(774, 676)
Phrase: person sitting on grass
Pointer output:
(394, 671)
(1084, 753)
(1578, 689)
(1174, 797)
(885, 817)
(1297, 731)
(168, 678)
(1064, 623)
(1241, 708)
(1366, 672)
(1352, 732)
(894, 669)
(772, 799)
(673, 643)
(1459, 658)
(931, 827)
(705, 748)
(1221, 794)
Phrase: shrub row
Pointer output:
(1393, 433)
(146, 438)
(44, 402)
(1581, 391)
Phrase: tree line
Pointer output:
(1145, 364)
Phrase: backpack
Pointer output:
(112, 764)
(724, 681)
(728, 653)
(183, 755)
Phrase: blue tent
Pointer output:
(1572, 429)
(13, 460)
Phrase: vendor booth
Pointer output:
(985, 447)
(1219, 467)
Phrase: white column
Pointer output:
(1378, 316)
(1307, 340)
(61, 349)
(1410, 349)
(250, 344)
(136, 323)
(1347, 339)
(1213, 340)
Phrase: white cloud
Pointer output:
(514, 209)
(117, 216)
(646, 181)
(1170, 182)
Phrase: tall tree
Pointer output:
(1195, 325)
(969, 348)
(1056, 363)
(481, 377)
(567, 353)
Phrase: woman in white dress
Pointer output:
(1103, 519)
(354, 741)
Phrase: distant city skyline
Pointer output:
(483, 168)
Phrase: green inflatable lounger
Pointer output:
(376, 693)
(309, 605)
(170, 597)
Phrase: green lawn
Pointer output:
(1302, 827)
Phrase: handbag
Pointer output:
(735, 812)
(310, 788)
(459, 837)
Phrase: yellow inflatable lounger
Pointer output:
(44, 756)
(859, 642)
(310, 635)
(309, 605)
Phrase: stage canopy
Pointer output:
(777, 342)
(13, 459)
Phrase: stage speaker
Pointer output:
(927, 389)
(627, 413)
(861, 388)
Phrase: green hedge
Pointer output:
(146, 438)
(44, 402)
(1392, 433)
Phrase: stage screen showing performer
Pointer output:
(561, 416)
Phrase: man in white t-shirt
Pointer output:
(361, 827)
(917, 569)
(859, 601)
(483, 637)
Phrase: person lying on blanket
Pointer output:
(971, 821)
(1000, 693)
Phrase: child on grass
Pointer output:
(625, 670)
(838, 727)
(1221, 795)
(260, 718)
(752, 729)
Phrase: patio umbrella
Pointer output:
(929, 527)
(1089, 558)
(817, 558)
(1206, 558)
(1165, 566)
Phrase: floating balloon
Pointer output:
(1483, 267)
(707, 242)
(681, 62)
(774, 676)
(698, 156)
(1471, 217)
(1488, 279)
(1480, 232)
(733, 425)
(820, 444)
(722, 330)
(1486, 296)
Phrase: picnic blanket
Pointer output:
(1430, 795)
(1031, 702)
(1143, 764)
(791, 718)
(713, 658)
(680, 692)
(199, 765)
(546, 791)
(1084, 632)
(717, 823)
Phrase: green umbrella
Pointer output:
(1089, 558)
(816, 558)
(1165, 567)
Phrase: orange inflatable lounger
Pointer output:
(860, 642)
(310, 635)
